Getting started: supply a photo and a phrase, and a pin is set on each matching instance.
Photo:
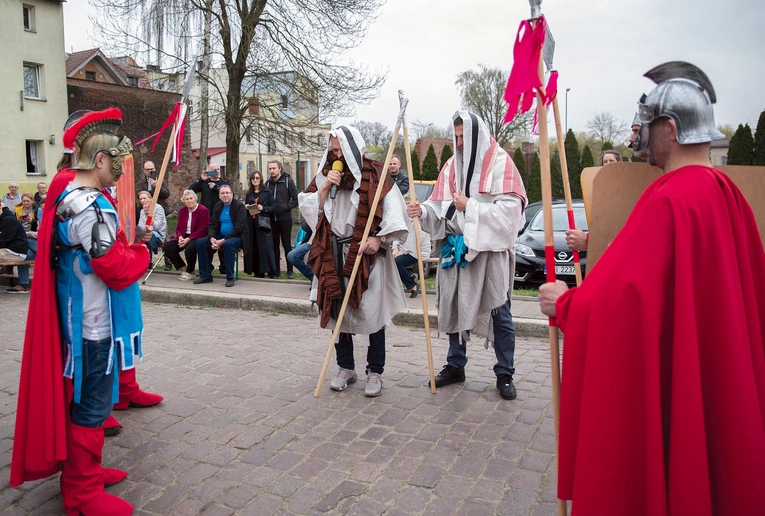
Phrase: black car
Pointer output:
(530, 246)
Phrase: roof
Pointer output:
(212, 151)
(77, 60)
(722, 143)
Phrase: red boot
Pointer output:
(113, 476)
(131, 393)
(82, 478)
(111, 426)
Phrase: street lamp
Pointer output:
(567, 90)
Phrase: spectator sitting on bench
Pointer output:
(158, 231)
(405, 254)
(13, 245)
(26, 213)
(297, 256)
(229, 230)
(193, 221)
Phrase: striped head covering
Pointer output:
(353, 147)
(482, 167)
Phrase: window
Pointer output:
(250, 168)
(31, 81)
(285, 101)
(133, 81)
(320, 143)
(286, 137)
(724, 160)
(248, 134)
(254, 106)
(301, 139)
(90, 76)
(29, 18)
(34, 156)
(271, 147)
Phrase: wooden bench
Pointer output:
(16, 264)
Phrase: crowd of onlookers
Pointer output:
(211, 221)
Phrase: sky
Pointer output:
(603, 47)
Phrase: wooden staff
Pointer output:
(364, 238)
(544, 156)
(421, 278)
(158, 185)
(566, 186)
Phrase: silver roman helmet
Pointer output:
(684, 94)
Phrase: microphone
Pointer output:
(337, 165)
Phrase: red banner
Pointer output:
(126, 198)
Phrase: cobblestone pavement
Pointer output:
(240, 432)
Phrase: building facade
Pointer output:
(33, 91)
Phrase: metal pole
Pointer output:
(567, 90)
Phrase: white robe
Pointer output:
(384, 298)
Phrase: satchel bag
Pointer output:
(263, 223)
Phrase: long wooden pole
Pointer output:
(161, 177)
(544, 156)
(566, 185)
(421, 278)
(356, 264)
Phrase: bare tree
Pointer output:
(374, 133)
(606, 128)
(252, 39)
(482, 92)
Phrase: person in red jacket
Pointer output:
(193, 221)
(663, 395)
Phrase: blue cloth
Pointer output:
(297, 258)
(299, 238)
(226, 225)
(124, 311)
(454, 251)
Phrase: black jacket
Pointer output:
(164, 193)
(209, 197)
(402, 181)
(285, 196)
(12, 234)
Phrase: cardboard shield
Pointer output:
(611, 192)
(126, 197)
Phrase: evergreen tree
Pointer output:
(759, 142)
(741, 148)
(574, 162)
(520, 163)
(534, 184)
(607, 146)
(430, 165)
(446, 153)
(635, 159)
(415, 165)
(556, 179)
(587, 159)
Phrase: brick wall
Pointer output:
(143, 113)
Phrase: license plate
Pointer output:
(564, 270)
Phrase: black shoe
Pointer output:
(415, 291)
(505, 386)
(206, 279)
(290, 275)
(111, 432)
(449, 375)
(229, 282)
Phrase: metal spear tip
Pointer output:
(402, 102)
(536, 8)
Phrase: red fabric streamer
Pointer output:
(524, 77)
(663, 394)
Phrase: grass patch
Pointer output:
(526, 291)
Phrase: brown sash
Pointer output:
(321, 259)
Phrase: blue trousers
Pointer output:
(204, 249)
(96, 399)
(402, 262)
(297, 258)
(504, 343)
(24, 269)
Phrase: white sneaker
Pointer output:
(343, 378)
(185, 276)
(374, 385)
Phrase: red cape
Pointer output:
(663, 394)
(39, 442)
(39, 445)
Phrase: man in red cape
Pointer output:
(62, 404)
(663, 393)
